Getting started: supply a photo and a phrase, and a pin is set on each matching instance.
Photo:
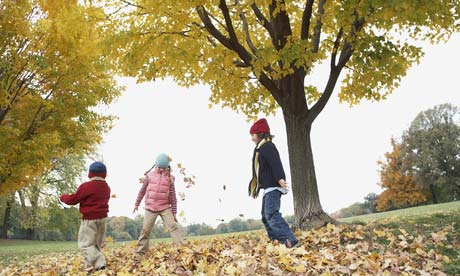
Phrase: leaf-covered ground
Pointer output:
(421, 246)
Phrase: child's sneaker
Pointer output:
(292, 245)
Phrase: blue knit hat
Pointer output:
(97, 167)
(162, 161)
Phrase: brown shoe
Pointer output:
(292, 245)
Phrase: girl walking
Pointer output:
(160, 200)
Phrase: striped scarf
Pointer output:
(254, 185)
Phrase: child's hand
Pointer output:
(283, 184)
(135, 209)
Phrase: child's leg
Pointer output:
(87, 242)
(149, 221)
(271, 236)
(280, 228)
(101, 227)
(171, 225)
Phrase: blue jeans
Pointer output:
(276, 226)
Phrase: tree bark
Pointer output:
(434, 198)
(307, 206)
(7, 217)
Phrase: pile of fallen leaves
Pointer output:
(331, 250)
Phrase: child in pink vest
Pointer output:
(160, 200)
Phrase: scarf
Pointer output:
(254, 185)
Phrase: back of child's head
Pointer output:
(97, 169)
(162, 161)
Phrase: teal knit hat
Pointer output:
(162, 161)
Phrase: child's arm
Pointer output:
(141, 193)
(72, 199)
(172, 197)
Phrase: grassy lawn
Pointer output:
(409, 212)
(13, 250)
(422, 221)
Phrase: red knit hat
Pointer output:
(261, 126)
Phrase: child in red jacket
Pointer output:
(93, 197)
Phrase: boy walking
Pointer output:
(93, 197)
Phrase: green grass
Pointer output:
(13, 250)
(424, 221)
(406, 213)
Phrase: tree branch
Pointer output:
(246, 32)
(280, 23)
(345, 55)
(239, 49)
(264, 21)
(335, 48)
(306, 18)
(132, 4)
(204, 16)
(319, 23)
(228, 21)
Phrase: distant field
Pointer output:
(409, 212)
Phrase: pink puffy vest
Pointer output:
(157, 193)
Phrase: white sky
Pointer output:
(214, 144)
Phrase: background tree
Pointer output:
(370, 202)
(35, 211)
(399, 184)
(258, 55)
(432, 149)
(52, 76)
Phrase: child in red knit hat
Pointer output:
(268, 174)
(93, 197)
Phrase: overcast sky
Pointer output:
(214, 144)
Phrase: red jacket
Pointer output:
(93, 197)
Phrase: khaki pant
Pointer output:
(149, 222)
(90, 241)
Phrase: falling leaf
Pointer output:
(241, 215)
(182, 196)
(225, 187)
(114, 196)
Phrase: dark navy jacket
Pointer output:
(270, 167)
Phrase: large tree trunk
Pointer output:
(7, 217)
(308, 212)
